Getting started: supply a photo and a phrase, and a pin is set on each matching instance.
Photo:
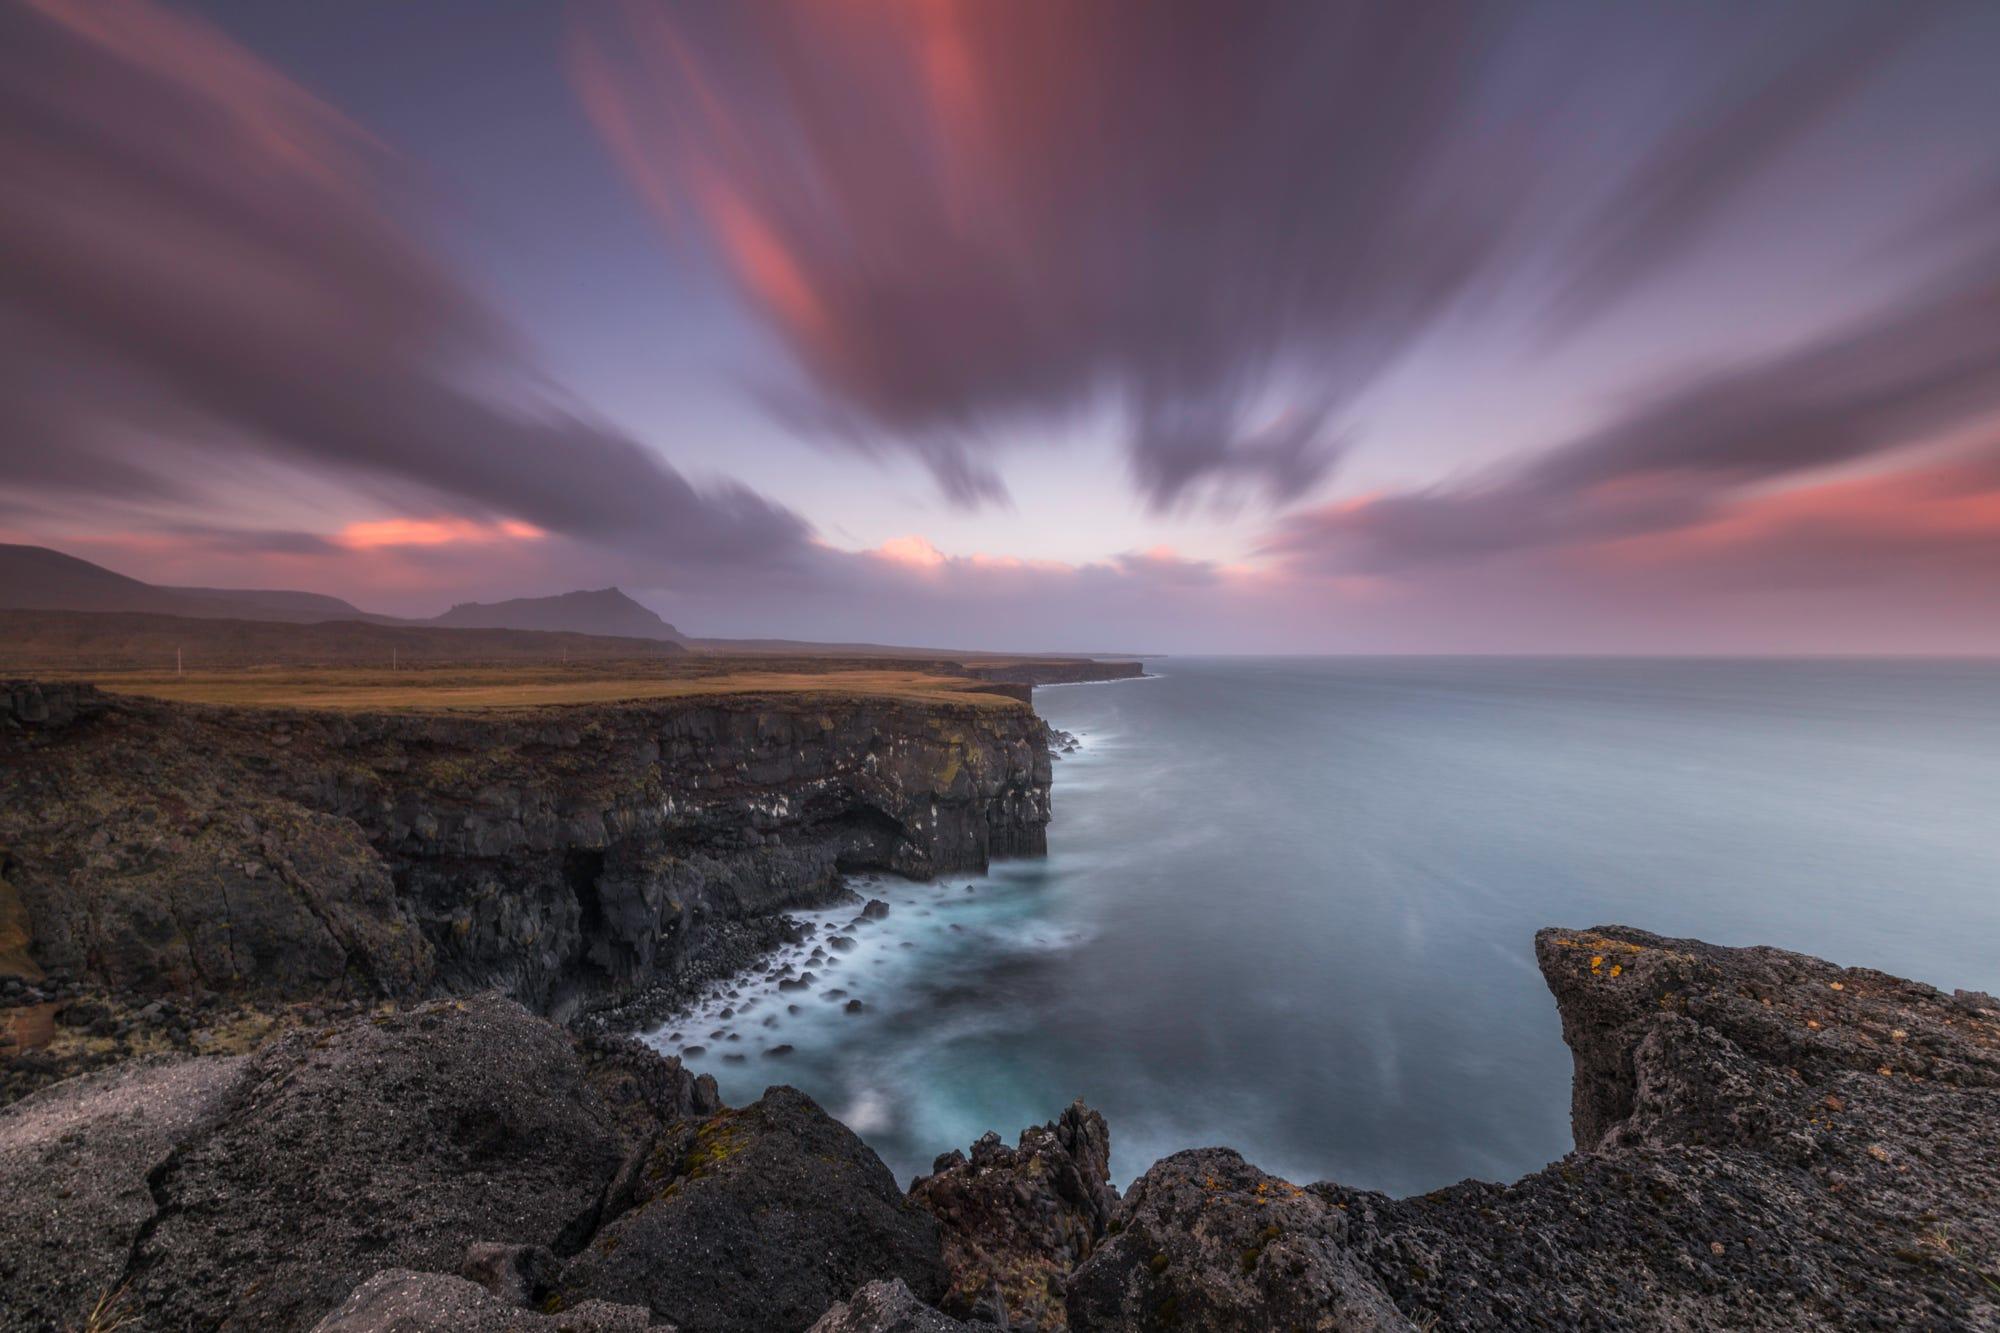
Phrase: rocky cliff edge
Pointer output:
(560, 855)
(1764, 1140)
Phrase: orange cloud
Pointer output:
(913, 552)
(375, 533)
(1914, 505)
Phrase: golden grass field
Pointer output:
(452, 688)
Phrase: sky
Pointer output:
(1134, 325)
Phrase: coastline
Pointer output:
(1761, 1138)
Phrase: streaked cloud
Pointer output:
(206, 263)
(1696, 457)
(1222, 223)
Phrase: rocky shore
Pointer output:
(326, 986)
(1764, 1140)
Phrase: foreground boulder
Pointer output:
(74, 1164)
(1205, 1240)
(397, 1300)
(386, 1143)
(1764, 1141)
(257, 1192)
(886, 1307)
(756, 1221)
(1017, 1220)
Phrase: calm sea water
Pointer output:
(1288, 903)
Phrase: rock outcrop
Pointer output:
(1017, 1220)
(397, 1141)
(498, 1168)
(559, 854)
(887, 1307)
(755, 1221)
(1205, 1240)
(77, 1161)
(398, 1300)
(1764, 1140)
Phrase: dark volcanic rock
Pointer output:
(397, 1300)
(562, 855)
(392, 1142)
(1207, 1241)
(517, 1274)
(1017, 1220)
(887, 1307)
(756, 1221)
(1764, 1140)
(74, 1165)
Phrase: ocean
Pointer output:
(1289, 903)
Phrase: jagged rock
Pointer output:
(1205, 1240)
(75, 1160)
(397, 1141)
(886, 1307)
(517, 1274)
(397, 1300)
(1017, 1220)
(1764, 1140)
(639, 1087)
(755, 1221)
(49, 705)
(560, 855)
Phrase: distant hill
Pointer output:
(35, 578)
(279, 604)
(70, 641)
(605, 611)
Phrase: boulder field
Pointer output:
(1763, 1140)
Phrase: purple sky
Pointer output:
(1140, 326)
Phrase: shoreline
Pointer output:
(1730, 1106)
(1762, 1138)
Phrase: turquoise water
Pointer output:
(1288, 903)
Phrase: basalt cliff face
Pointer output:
(557, 855)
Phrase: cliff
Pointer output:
(559, 855)
(1764, 1140)
(1055, 671)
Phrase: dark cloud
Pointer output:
(1223, 216)
(199, 256)
(1226, 221)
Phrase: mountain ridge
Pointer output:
(41, 578)
(597, 611)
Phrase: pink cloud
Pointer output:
(372, 533)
